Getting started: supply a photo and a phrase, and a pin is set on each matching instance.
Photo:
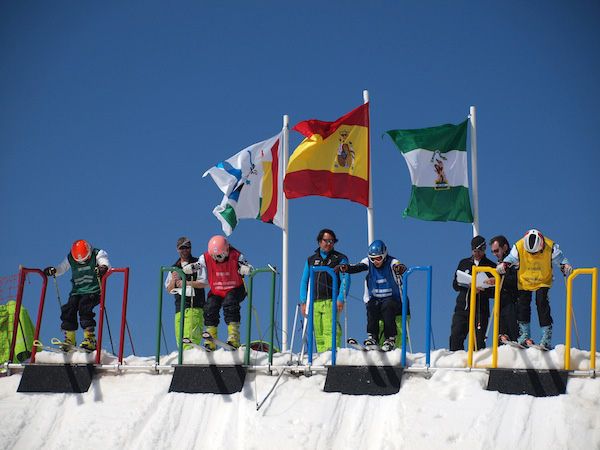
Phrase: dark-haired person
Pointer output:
(460, 320)
(88, 265)
(535, 255)
(325, 255)
(508, 329)
(193, 324)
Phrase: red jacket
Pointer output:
(223, 276)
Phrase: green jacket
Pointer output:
(25, 332)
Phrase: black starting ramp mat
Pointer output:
(363, 380)
(539, 383)
(56, 378)
(208, 379)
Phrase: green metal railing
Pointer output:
(273, 271)
(164, 269)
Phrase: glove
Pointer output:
(341, 268)
(50, 271)
(399, 268)
(188, 269)
(566, 269)
(501, 268)
(245, 269)
(101, 270)
(178, 283)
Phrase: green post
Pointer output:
(160, 301)
(249, 331)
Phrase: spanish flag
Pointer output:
(333, 160)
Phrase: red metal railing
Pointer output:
(125, 272)
(23, 271)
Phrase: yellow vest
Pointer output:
(535, 269)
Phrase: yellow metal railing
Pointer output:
(594, 273)
(497, 288)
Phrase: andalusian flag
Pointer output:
(251, 182)
(333, 160)
(437, 161)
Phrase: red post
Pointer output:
(125, 271)
(23, 271)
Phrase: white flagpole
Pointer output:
(284, 239)
(474, 171)
(370, 219)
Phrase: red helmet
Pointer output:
(534, 241)
(81, 251)
(218, 248)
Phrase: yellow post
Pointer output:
(569, 308)
(496, 315)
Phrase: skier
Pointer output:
(460, 319)
(195, 296)
(324, 255)
(225, 268)
(88, 266)
(508, 329)
(383, 293)
(535, 255)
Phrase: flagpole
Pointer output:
(474, 171)
(284, 239)
(370, 219)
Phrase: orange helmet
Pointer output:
(81, 251)
(218, 248)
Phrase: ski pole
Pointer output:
(293, 334)
(57, 292)
(345, 322)
(408, 337)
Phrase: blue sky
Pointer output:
(111, 113)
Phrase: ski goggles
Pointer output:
(375, 258)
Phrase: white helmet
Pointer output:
(533, 241)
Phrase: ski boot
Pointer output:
(370, 341)
(208, 343)
(89, 340)
(503, 339)
(546, 337)
(69, 341)
(524, 334)
(233, 330)
(389, 344)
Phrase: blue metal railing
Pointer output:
(427, 314)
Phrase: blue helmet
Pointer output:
(377, 250)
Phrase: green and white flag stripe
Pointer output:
(437, 161)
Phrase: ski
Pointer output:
(514, 344)
(61, 345)
(539, 347)
(194, 345)
(224, 345)
(47, 348)
(365, 348)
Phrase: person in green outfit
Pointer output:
(195, 296)
(325, 255)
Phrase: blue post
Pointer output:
(334, 294)
(405, 312)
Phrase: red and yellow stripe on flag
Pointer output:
(333, 160)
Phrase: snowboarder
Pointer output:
(195, 296)
(383, 293)
(224, 268)
(88, 265)
(460, 319)
(535, 255)
(324, 255)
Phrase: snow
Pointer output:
(445, 407)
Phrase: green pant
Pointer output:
(398, 327)
(322, 325)
(192, 326)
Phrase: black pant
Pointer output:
(541, 301)
(385, 309)
(231, 307)
(460, 324)
(82, 303)
(508, 318)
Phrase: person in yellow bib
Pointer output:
(535, 256)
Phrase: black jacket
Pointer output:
(324, 283)
(463, 298)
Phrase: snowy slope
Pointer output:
(446, 408)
